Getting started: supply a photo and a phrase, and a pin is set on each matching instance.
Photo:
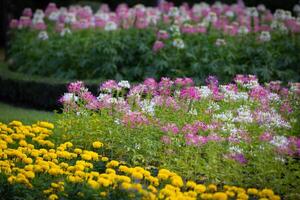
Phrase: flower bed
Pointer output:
(33, 167)
(242, 133)
(140, 42)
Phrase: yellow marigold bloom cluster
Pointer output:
(27, 154)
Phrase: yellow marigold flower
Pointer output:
(93, 184)
(23, 143)
(15, 123)
(104, 159)
(152, 188)
(104, 182)
(177, 181)
(230, 193)
(97, 144)
(199, 188)
(243, 196)
(275, 197)
(78, 151)
(212, 187)
(46, 125)
(113, 163)
(267, 193)
(191, 184)
(137, 175)
(11, 179)
(110, 171)
(27, 160)
(103, 194)
(252, 191)
(162, 176)
(29, 174)
(126, 185)
(86, 156)
(219, 196)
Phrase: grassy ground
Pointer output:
(27, 116)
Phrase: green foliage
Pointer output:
(127, 54)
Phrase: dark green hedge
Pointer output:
(33, 91)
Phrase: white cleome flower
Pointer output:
(110, 26)
(124, 84)
(265, 36)
(178, 43)
(43, 35)
(65, 31)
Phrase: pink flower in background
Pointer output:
(166, 139)
(110, 86)
(170, 127)
(161, 34)
(266, 137)
(50, 8)
(27, 12)
(24, 22)
(40, 26)
(190, 93)
(158, 45)
(14, 23)
(76, 87)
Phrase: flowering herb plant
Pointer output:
(240, 133)
(139, 42)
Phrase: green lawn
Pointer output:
(27, 116)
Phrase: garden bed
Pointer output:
(140, 42)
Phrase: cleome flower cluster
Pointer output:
(61, 171)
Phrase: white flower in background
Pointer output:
(235, 149)
(69, 97)
(110, 26)
(296, 9)
(193, 111)
(102, 96)
(88, 9)
(229, 128)
(213, 106)
(39, 14)
(261, 8)
(220, 42)
(124, 84)
(103, 16)
(37, 20)
(280, 14)
(54, 16)
(280, 141)
(265, 36)
(63, 10)
(43, 35)
(205, 91)
(229, 13)
(243, 115)
(147, 106)
(174, 12)
(274, 97)
(178, 43)
(225, 116)
(211, 17)
(175, 30)
(65, 31)
(252, 12)
(243, 30)
(113, 100)
(288, 14)
(70, 18)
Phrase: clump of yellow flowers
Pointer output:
(27, 154)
